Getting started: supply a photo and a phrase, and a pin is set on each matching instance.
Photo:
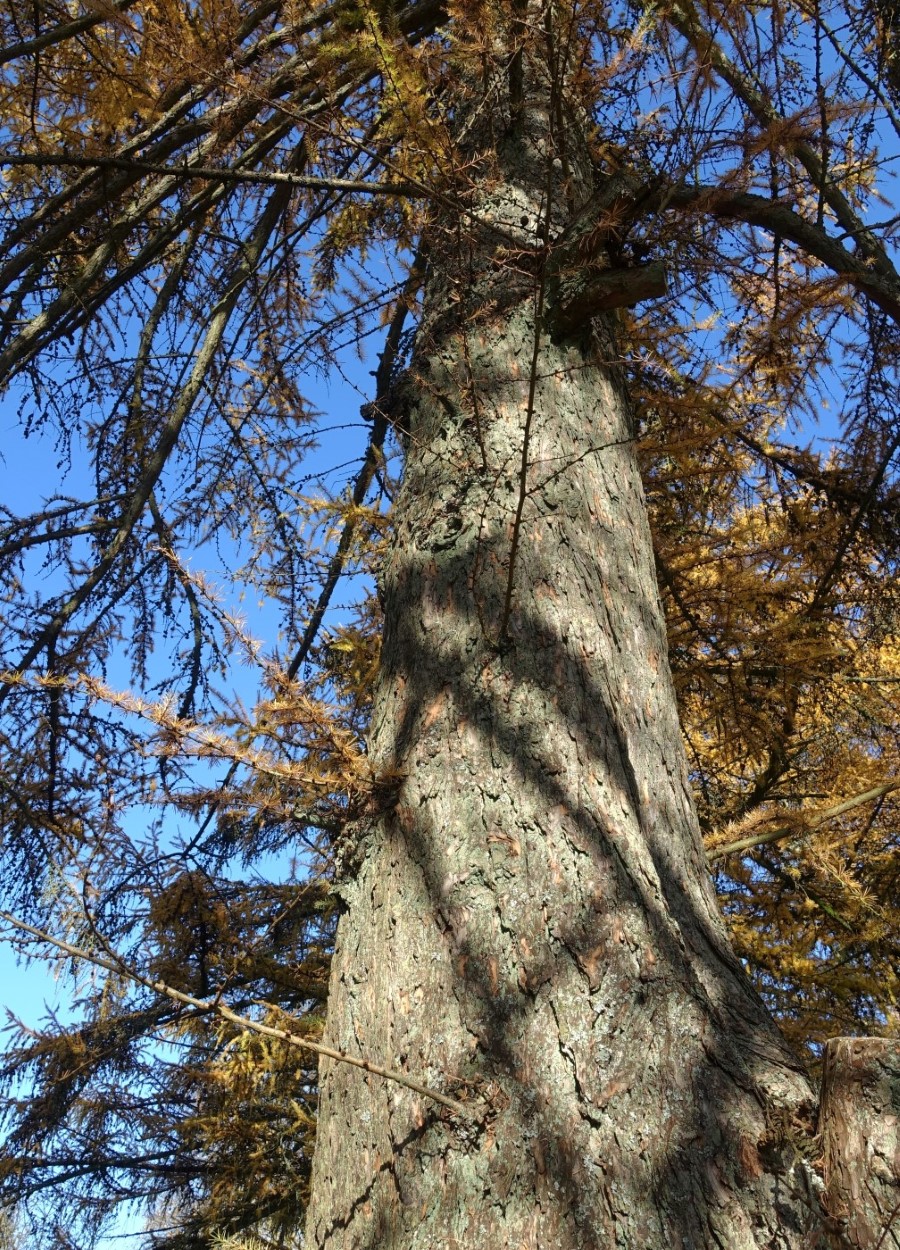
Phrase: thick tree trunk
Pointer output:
(530, 923)
(859, 1121)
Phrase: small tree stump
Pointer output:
(859, 1119)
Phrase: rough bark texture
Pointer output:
(531, 923)
(533, 920)
(860, 1125)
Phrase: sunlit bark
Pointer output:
(530, 923)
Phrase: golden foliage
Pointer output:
(204, 204)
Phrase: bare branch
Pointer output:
(211, 174)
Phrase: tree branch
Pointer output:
(210, 172)
(683, 16)
(779, 834)
(181, 410)
(881, 284)
(585, 293)
(68, 30)
(214, 1007)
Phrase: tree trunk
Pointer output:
(530, 922)
(860, 1125)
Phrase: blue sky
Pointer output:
(31, 470)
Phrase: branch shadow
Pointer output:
(687, 1116)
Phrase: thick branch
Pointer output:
(584, 294)
(881, 284)
(683, 16)
(67, 30)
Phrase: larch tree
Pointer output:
(620, 254)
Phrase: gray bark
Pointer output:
(530, 923)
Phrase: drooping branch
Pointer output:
(631, 194)
(683, 16)
(378, 411)
(881, 283)
(581, 292)
(157, 458)
(214, 1006)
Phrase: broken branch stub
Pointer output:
(583, 293)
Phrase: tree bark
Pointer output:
(860, 1126)
(530, 923)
